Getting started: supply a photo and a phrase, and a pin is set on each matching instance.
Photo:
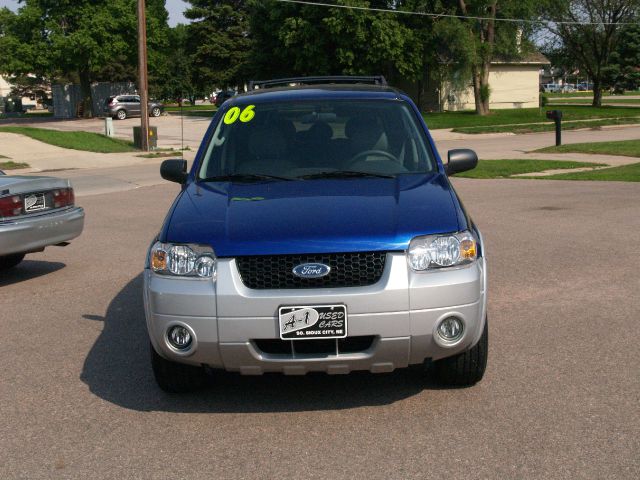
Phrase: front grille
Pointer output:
(356, 269)
(315, 347)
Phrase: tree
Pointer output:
(22, 41)
(624, 69)
(176, 77)
(218, 38)
(84, 40)
(591, 32)
(472, 43)
(310, 40)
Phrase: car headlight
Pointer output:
(183, 260)
(437, 251)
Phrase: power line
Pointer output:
(445, 15)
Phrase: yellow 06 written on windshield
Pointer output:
(235, 114)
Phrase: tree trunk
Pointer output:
(85, 92)
(597, 93)
(484, 88)
(480, 85)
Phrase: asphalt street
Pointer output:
(560, 398)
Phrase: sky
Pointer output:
(174, 7)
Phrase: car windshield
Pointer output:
(314, 139)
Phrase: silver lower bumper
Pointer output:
(38, 231)
(400, 313)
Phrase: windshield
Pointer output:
(309, 139)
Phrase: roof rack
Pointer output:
(371, 80)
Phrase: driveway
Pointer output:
(560, 398)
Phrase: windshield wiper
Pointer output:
(244, 177)
(345, 174)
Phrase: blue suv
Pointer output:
(317, 231)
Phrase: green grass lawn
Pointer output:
(548, 127)
(12, 165)
(161, 154)
(605, 100)
(194, 113)
(86, 141)
(629, 148)
(38, 114)
(625, 173)
(506, 168)
(190, 108)
(587, 94)
(469, 119)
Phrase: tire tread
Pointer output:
(176, 377)
(10, 261)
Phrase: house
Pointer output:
(5, 87)
(21, 103)
(513, 84)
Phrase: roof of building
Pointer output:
(531, 58)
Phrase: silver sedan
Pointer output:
(35, 212)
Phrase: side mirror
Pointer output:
(461, 160)
(174, 170)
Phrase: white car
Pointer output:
(35, 212)
(552, 88)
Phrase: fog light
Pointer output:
(179, 337)
(451, 329)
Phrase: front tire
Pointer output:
(466, 368)
(176, 377)
(155, 112)
(121, 114)
(10, 261)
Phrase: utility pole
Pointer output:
(143, 84)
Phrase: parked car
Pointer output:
(568, 88)
(552, 88)
(317, 230)
(584, 87)
(35, 212)
(123, 106)
(223, 96)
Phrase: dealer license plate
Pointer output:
(34, 202)
(305, 323)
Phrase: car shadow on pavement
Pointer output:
(117, 369)
(27, 270)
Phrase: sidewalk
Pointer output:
(42, 156)
(498, 146)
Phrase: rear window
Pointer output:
(295, 139)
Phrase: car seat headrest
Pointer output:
(267, 141)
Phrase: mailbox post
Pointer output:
(556, 116)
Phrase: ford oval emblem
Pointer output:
(311, 270)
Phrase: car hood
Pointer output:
(312, 216)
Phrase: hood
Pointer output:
(312, 216)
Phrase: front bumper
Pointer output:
(229, 321)
(34, 232)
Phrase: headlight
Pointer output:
(183, 260)
(437, 251)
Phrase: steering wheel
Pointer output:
(366, 153)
